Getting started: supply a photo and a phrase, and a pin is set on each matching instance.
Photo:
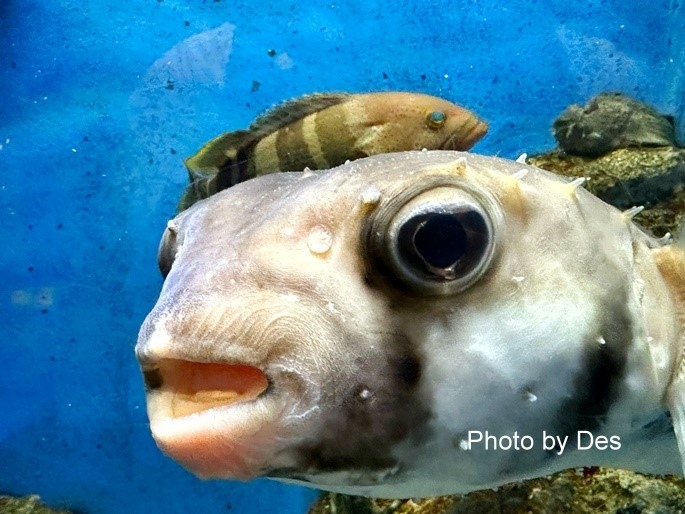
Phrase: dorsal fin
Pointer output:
(214, 155)
(292, 110)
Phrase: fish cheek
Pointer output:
(597, 385)
(378, 406)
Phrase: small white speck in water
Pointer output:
(371, 196)
(531, 397)
(518, 278)
(291, 297)
(330, 306)
(232, 281)
(320, 240)
(464, 445)
(650, 339)
(601, 340)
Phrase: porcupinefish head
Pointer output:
(356, 329)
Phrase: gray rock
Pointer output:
(610, 121)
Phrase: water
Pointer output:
(101, 101)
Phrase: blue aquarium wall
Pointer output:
(101, 101)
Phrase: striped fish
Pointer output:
(321, 131)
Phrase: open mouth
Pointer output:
(193, 387)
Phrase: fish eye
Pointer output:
(167, 250)
(437, 242)
(436, 119)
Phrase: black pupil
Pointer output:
(440, 240)
(443, 245)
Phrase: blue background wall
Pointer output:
(101, 100)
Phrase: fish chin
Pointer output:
(223, 442)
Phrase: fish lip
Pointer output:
(225, 442)
(191, 387)
(466, 137)
(234, 440)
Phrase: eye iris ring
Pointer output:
(436, 119)
(435, 237)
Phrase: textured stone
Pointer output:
(582, 491)
(627, 177)
(26, 505)
(610, 121)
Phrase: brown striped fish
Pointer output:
(324, 130)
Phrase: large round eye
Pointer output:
(167, 249)
(436, 119)
(437, 241)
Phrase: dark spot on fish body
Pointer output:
(379, 405)
(603, 367)
(291, 148)
(237, 168)
(408, 369)
(336, 139)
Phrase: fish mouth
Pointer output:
(467, 136)
(193, 387)
(217, 420)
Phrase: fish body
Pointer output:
(355, 329)
(321, 131)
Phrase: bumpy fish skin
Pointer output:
(558, 315)
(321, 131)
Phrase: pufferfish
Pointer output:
(320, 131)
(350, 329)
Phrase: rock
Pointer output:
(610, 121)
(26, 505)
(627, 177)
(582, 491)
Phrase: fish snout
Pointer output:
(226, 391)
(467, 135)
